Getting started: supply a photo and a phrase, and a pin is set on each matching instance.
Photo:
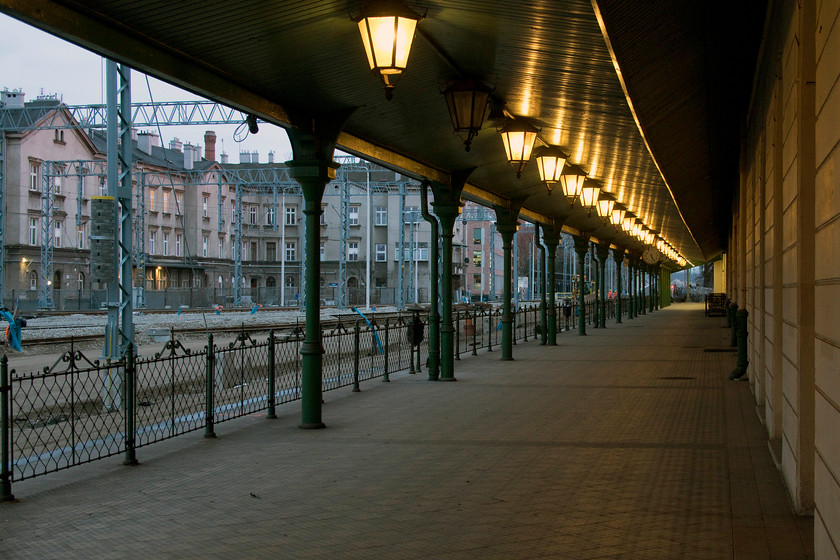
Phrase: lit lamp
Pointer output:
(589, 197)
(572, 183)
(467, 103)
(387, 29)
(519, 137)
(550, 163)
(629, 220)
(606, 203)
(637, 228)
(660, 245)
(617, 216)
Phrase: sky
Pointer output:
(39, 63)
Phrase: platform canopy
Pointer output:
(647, 97)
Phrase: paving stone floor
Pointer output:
(627, 443)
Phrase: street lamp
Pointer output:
(550, 163)
(387, 30)
(467, 103)
(519, 137)
(617, 216)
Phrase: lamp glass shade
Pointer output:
(637, 228)
(572, 184)
(589, 196)
(628, 223)
(550, 163)
(387, 29)
(518, 138)
(606, 204)
(617, 217)
(467, 103)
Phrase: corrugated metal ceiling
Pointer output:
(547, 59)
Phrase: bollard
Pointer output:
(356, 358)
(5, 425)
(209, 390)
(128, 400)
(272, 376)
(743, 362)
(733, 309)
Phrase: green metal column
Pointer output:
(543, 277)
(650, 270)
(551, 235)
(506, 224)
(313, 141)
(631, 288)
(603, 254)
(618, 257)
(434, 315)
(447, 206)
(642, 292)
(313, 177)
(596, 323)
(581, 247)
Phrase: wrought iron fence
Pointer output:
(80, 410)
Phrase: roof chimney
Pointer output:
(224, 158)
(144, 142)
(271, 156)
(188, 156)
(210, 145)
(175, 144)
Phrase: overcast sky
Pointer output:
(37, 62)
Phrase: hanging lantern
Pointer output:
(606, 203)
(589, 197)
(572, 183)
(617, 216)
(467, 103)
(387, 30)
(519, 137)
(629, 221)
(550, 163)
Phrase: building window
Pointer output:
(178, 240)
(34, 176)
(323, 216)
(179, 203)
(290, 251)
(477, 283)
(354, 215)
(80, 237)
(477, 258)
(33, 281)
(271, 252)
(165, 244)
(80, 281)
(269, 216)
(205, 202)
(102, 186)
(254, 255)
(57, 238)
(152, 242)
(253, 214)
(353, 251)
(290, 281)
(381, 252)
(33, 231)
(291, 215)
(205, 241)
(381, 216)
(166, 202)
(152, 193)
(323, 249)
(221, 247)
(57, 179)
(477, 236)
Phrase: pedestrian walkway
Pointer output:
(626, 443)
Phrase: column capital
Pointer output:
(603, 250)
(618, 256)
(582, 243)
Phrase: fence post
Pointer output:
(489, 330)
(6, 426)
(457, 335)
(475, 329)
(272, 413)
(409, 330)
(209, 390)
(385, 376)
(356, 358)
(524, 322)
(130, 409)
